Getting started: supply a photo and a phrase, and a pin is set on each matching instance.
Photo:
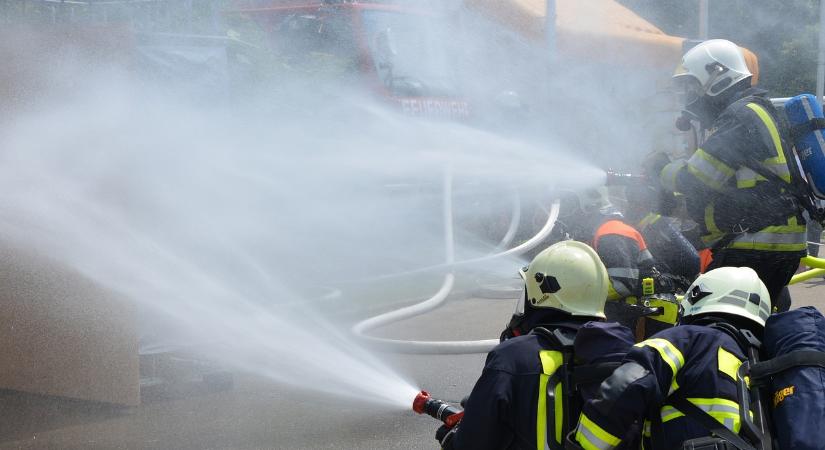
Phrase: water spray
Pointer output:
(445, 347)
(437, 409)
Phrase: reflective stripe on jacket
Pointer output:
(721, 191)
(504, 409)
(695, 362)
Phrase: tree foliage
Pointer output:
(783, 34)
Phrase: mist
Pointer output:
(254, 227)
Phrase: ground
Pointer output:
(257, 414)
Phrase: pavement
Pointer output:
(259, 414)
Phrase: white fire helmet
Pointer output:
(736, 291)
(710, 68)
(568, 276)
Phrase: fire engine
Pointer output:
(398, 52)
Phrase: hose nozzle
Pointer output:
(615, 178)
(437, 409)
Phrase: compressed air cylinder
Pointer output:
(810, 146)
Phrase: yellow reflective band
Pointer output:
(669, 353)
(714, 232)
(551, 360)
(592, 437)
(773, 238)
(541, 413)
(611, 293)
(708, 169)
(780, 169)
(724, 411)
(674, 386)
(617, 289)
(747, 178)
(777, 164)
(668, 175)
(649, 219)
(768, 247)
(774, 133)
(623, 272)
(559, 415)
(728, 363)
(670, 311)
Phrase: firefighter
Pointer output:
(695, 363)
(673, 252)
(738, 184)
(677, 260)
(621, 248)
(509, 407)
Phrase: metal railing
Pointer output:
(817, 269)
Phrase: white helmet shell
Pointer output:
(716, 64)
(568, 276)
(736, 291)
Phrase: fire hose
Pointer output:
(445, 347)
(437, 409)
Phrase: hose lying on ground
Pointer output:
(444, 347)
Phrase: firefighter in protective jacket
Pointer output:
(622, 249)
(519, 400)
(695, 363)
(737, 185)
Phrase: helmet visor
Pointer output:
(519, 309)
(688, 88)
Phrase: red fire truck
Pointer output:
(400, 53)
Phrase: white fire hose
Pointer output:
(448, 347)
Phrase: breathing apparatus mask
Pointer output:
(699, 107)
(582, 212)
(516, 325)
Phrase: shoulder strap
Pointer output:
(707, 421)
(817, 123)
(556, 337)
(762, 371)
(563, 342)
(736, 334)
(799, 186)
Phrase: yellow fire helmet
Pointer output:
(568, 276)
(736, 291)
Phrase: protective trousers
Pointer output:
(775, 269)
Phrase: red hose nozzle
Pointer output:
(615, 178)
(419, 401)
(424, 404)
